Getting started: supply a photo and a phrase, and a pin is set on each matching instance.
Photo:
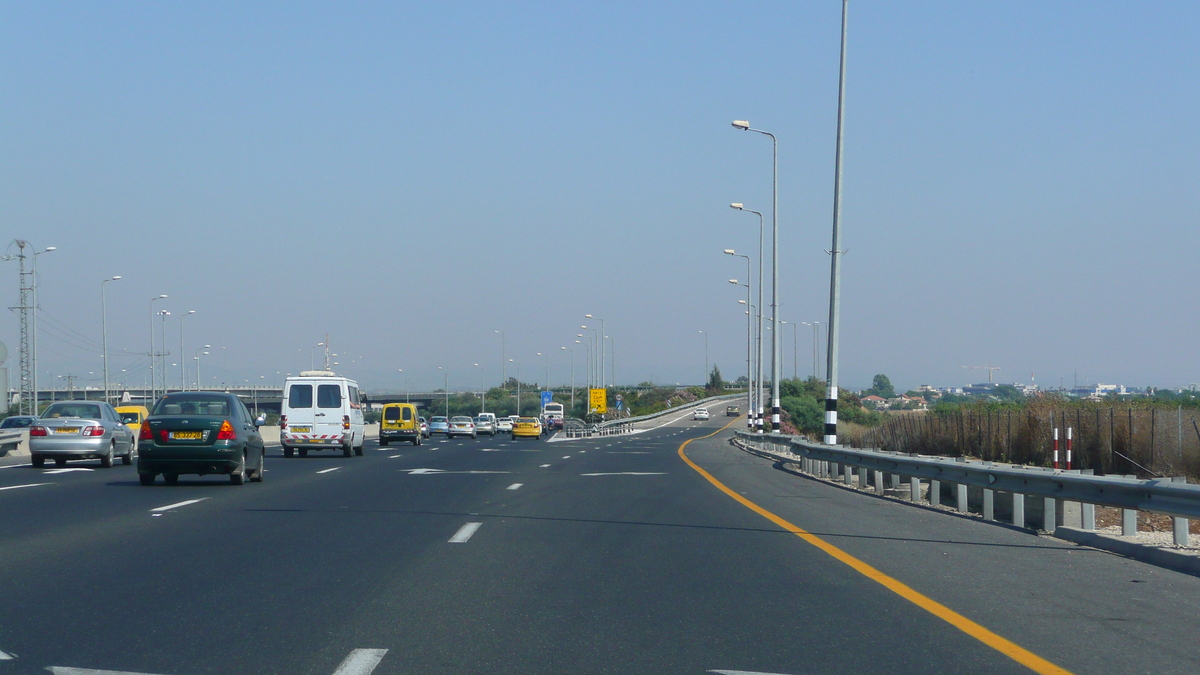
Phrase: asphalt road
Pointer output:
(526, 557)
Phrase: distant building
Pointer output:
(875, 401)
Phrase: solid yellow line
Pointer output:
(1004, 646)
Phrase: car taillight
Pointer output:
(145, 434)
(37, 431)
(93, 431)
(226, 432)
(345, 421)
(283, 422)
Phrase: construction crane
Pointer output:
(987, 368)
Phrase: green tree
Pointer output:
(881, 386)
(715, 383)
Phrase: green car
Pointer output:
(200, 433)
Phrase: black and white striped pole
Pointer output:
(831, 392)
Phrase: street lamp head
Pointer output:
(115, 279)
(587, 316)
(50, 248)
(736, 205)
(191, 311)
(730, 251)
(164, 295)
(741, 302)
(741, 124)
(733, 281)
(208, 346)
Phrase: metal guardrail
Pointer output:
(10, 439)
(683, 406)
(1168, 496)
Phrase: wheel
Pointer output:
(262, 466)
(416, 441)
(383, 442)
(304, 452)
(38, 461)
(238, 477)
(60, 461)
(146, 478)
(359, 450)
(287, 452)
(170, 478)
(347, 450)
(106, 461)
(127, 458)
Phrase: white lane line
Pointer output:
(543, 466)
(328, 470)
(626, 452)
(17, 487)
(61, 670)
(13, 466)
(67, 470)
(435, 472)
(515, 486)
(742, 672)
(361, 662)
(464, 533)
(176, 505)
(626, 473)
(566, 457)
(395, 456)
(5, 656)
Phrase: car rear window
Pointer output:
(129, 417)
(87, 411)
(192, 404)
(300, 396)
(407, 414)
(329, 396)
(392, 414)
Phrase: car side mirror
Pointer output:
(260, 420)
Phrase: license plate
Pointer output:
(67, 430)
(187, 435)
(302, 430)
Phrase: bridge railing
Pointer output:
(577, 428)
(881, 469)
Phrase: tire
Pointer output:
(146, 478)
(170, 478)
(38, 461)
(304, 452)
(60, 461)
(287, 452)
(383, 442)
(416, 441)
(262, 466)
(359, 450)
(239, 477)
(106, 461)
(127, 458)
(347, 450)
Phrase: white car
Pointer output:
(700, 414)
(504, 424)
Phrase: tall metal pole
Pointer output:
(104, 333)
(775, 339)
(835, 291)
(503, 361)
(153, 382)
(163, 314)
(705, 380)
(182, 365)
(758, 409)
(33, 324)
(572, 353)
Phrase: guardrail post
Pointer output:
(1128, 522)
(1018, 510)
(935, 492)
(1180, 525)
(914, 486)
(895, 481)
(1049, 514)
(862, 477)
(878, 482)
(847, 474)
(989, 504)
(960, 492)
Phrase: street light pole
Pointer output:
(182, 365)
(483, 392)
(503, 361)
(572, 353)
(198, 355)
(162, 324)
(749, 332)
(705, 380)
(835, 291)
(757, 413)
(104, 333)
(446, 388)
(518, 385)
(153, 382)
(775, 342)
(405, 385)
(603, 336)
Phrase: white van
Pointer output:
(321, 411)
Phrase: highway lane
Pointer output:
(596, 555)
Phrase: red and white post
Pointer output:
(1069, 430)
(1055, 447)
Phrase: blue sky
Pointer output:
(1020, 184)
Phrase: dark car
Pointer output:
(732, 411)
(200, 433)
(17, 421)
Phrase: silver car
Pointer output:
(439, 425)
(80, 430)
(484, 425)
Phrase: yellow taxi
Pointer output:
(528, 427)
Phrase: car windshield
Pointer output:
(437, 420)
(192, 404)
(129, 417)
(87, 411)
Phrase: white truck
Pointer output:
(321, 411)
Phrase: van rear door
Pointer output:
(327, 418)
(299, 409)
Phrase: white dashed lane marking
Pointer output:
(361, 662)
(515, 486)
(176, 505)
(566, 457)
(464, 533)
(626, 473)
(17, 487)
(543, 466)
(328, 470)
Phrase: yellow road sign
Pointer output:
(599, 401)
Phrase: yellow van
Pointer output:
(132, 416)
(399, 423)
